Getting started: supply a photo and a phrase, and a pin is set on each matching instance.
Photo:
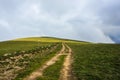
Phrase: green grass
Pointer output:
(90, 61)
(49, 39)
(53, 72)
(12, 46)
(96, 61)
(35, 63)
(38, 53)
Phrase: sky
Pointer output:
(86, 20)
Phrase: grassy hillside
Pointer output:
(48, 39)
(96, 61)
(29, 43)
(20, 57)
(12, 46)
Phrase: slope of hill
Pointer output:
(49, 58)
(96, 61)
(47, 39)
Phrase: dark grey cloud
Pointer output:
(89, 20)
(110, 13)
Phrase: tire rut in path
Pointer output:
(39, 72)
(66, 71)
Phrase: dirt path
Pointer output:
(39, 72)
(66, 71)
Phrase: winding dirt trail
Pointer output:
(39, 72)
(66, 71)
